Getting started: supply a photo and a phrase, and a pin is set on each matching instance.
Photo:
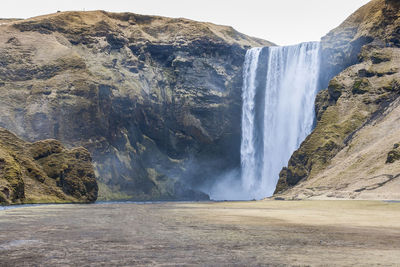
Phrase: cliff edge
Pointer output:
(353, 151)
(157, 101)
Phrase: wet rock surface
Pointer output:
(156, 101)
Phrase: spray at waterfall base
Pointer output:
(278, 94)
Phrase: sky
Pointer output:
(283, 22)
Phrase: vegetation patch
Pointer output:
(393, 154)
(44, 172)
(360, 86)
(335, 89)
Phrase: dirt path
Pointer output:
(275, 233)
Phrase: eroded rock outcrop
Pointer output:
(156, 101)
(44, 172)
(345, 156)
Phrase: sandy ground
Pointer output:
(264, 233)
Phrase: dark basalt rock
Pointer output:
(156, 101)
(394, 154)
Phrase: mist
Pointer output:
(227, 186)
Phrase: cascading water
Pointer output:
(279, 88)
(248, 149)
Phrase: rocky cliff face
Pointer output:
(353, 151)
(44, 172)
(156, 101)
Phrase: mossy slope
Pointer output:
(358, 104)
(44, 172)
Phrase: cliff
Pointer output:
(157, 101)
(353, 151)
(43, 172)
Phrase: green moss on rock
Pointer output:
(340, 114)
(335, 89)
(360, 86)
(44, 172)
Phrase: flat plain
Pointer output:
(256, 233)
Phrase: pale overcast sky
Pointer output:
(280, 21)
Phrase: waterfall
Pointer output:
(247, 149)
(279, 88)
